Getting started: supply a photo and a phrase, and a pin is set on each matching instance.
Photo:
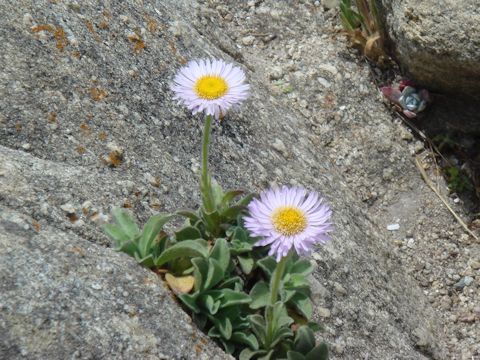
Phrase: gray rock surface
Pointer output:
(438, 42)
(86, 87)
(63, 297)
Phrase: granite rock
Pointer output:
(87, 86)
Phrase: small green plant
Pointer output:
(255, 306)
(362, 25)
(457, 181)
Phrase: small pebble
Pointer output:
(248, 40)
(393, 227)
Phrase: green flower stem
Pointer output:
(274, 287)
(276, 279)
(205, 186)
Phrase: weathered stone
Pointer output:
(102, 87)
(62, 296)
(437, 42)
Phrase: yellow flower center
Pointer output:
(289, 221)
(211, 87)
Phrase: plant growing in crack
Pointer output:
(235, 263)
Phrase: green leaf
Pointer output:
(188, 233)
(223, 324)
(302, 304)
(221, 253)
(280, 335)
(214, 274)
(211, 220)
(267, 356)
(150, 231)
(129, 248)
(200, 271)
(320, 352)
(126, 222)
(190, 300)
(187, 248)
(116, 234)
(228, 346)
(246, 263)
(315, 327)
(258, 327)
(303, 267)
(189, 214)
(260, 295)
(232, 212)
(242, 338)
(217, 193)
(211, 305)
(268, 265)
(248, 354)
(293, 355)
(232, 297)
(304, 340)
(229, 196)
(245, 200)
(147, 261)
(231, 282)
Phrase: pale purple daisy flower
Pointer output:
(211, 86)
(289, 217)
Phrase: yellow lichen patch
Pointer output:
(43, 27)
(61, 38)
(85, 129)
(52, 117)
(91, 30)
(97, 94)
(103, 25)
(102, 136)
(81, 150)
(18, 127)
(138, 43)
(289, 220)
(58, 34)
(152, 25)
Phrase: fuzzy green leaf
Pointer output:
(245, 200)
(258, 327)
(231, 282)
(320, 352)
(293, 355)
(242, 338)
(188, 233)
(190, 300)
(187, 248)
(229, 196)
(231, 297)
(116, 234)
(246, 263)
(214, 274)
(302, 304)
(211, 305)
(126, 222)
(302, 266)
(268, 265)
(189, 214)
(223, 324)
(221, 253)
(248, 354)
(150, 231)
(260, 295)
(304, 340)
(129, 248)
(200, 271)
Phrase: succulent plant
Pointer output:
(407, 98)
